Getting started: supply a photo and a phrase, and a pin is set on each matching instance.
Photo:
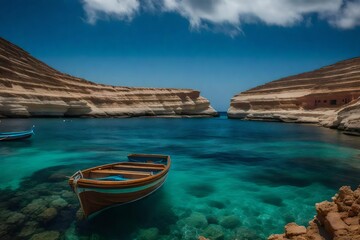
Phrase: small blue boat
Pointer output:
(9, 136)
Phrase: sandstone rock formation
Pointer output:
(346, 118)
(337, 220)
(29, 88)
(329, 96)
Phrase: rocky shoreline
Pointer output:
(337, 220)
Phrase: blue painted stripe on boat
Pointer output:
(122, 190)
(17, 133)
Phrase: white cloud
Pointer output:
(340, 13)
(121, 9)
(349, 16)
(235, 12)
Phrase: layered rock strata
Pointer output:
(30, 88)
(329, 96)
(337, 220)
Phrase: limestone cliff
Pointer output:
(29, 88)
(329, 95)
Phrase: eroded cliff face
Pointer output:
(329, 96)
(30, 88)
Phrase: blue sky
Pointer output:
(220, 47)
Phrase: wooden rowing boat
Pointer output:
(104, 186)
(10, 136)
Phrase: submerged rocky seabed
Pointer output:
(44, 207)
(228, 180)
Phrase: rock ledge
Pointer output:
(337, 220)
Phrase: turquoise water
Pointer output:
(230, 179)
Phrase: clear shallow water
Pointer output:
(229, 179)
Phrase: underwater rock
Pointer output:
(95, 237)
(50, 197)
(56, 177)
(29, 229)
(242, 233)
(212, 219)
(48, 214)
(214, 232)
(197, 220)
(230, 222)
(67, 194)
(3, 230)
(40, 189)
(337, 220)
(168, 237)
(49, 235)
(182, 212)
(80, 216)
(16, 219)
(188, 233)
(148, 234)
(4, 214)
(70, 233)
(15, 202)
(59, 203)
(34, 208)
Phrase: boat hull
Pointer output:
(11, 136)
(95, 200)
(105, 186)
(17, 137)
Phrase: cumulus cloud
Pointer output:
(233, 13)
(349, 16)
(121, 9)
(272, 12)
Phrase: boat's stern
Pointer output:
(149, 158)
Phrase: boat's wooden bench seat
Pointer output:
(137, 168)
(127, 174)
(150, 164)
